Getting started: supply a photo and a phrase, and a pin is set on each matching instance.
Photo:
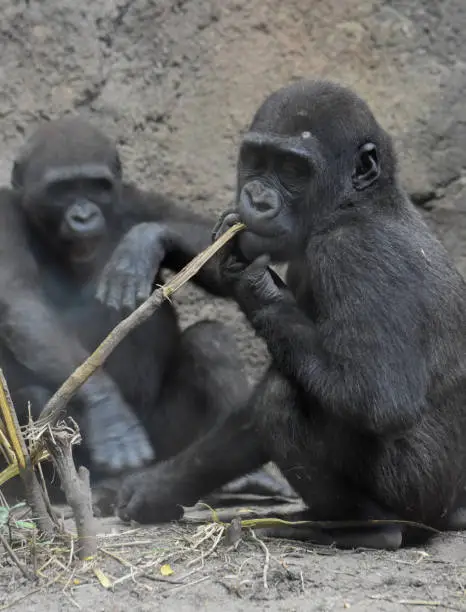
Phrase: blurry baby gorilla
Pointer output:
(80, 249)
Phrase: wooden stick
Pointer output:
(57, 403)
(77, 489)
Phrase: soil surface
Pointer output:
(175, 82)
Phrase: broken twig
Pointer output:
(77, 489)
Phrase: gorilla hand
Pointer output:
(116, 439)
(253, 283)
(226, 220)
(128, 276)
(149, 497)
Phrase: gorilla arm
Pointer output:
(33, 335)
(158, 233)
(359, 391)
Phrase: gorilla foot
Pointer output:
(148, 497)
(118, 443)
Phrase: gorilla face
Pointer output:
(73, 213)
(69, 178)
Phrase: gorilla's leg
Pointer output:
(268, 427)
(312, 454)
(207, 381)
(231, 449)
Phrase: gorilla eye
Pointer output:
(102, 184)
(99, 189)
(259, 162)
(367, 168)
(59, 189)
(292, 168)
(254, 160)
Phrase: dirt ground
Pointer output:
(176, 82)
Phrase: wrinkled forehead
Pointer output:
(333, 116)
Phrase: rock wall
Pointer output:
(175, 82)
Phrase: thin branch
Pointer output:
(57, 403)
(267, 558)
(15, 559)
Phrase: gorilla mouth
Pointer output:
(84, 251)
(253, 245)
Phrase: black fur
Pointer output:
(364, 405)
(70, 228)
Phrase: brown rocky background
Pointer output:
(175, 82)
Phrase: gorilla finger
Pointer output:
(115, 457)
(134, 510)
(102, 288)
(218, 224)
(233, 268)
(143, 510)
(137, 441)
(123, 515)
(226, 253)
(134, 458)
(230, 255)
(143, 291)
(107, 456)
(139, 452)
(227, 220)
(147, 453)
(114, 294)
(124, 498)
(260, 262)
(126, 491)
(130, 498)
(128, 301)
(258, 270)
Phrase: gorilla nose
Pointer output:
(84, 217)
(83, 220)
(263, 201)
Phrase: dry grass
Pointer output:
(132, 555)
(162, 560)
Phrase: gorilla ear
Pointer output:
(367, 168)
